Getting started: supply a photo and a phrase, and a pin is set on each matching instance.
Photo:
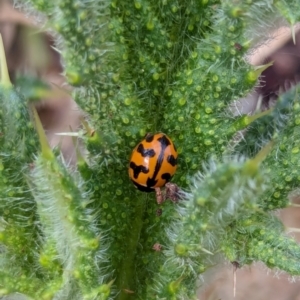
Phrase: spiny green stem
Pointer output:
(126, 277)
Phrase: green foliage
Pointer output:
(147, 66)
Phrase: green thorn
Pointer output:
(247, 44)
(259, 69)
(293, 34)
(206, 251)
(262, 154)
(46, 150)
(252, 118)
(245, 120)
(256, 72)
(4, 76)
(174, 286)
(252, 165)
(87, 127)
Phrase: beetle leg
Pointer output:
(159, 196)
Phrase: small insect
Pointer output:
(157, 247)
(159, 212)
(238, 46)
(153, 162)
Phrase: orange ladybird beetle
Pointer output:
(153, 162)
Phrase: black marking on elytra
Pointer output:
(138, 169)
(166, 176)
(164, 143)
(172, 160)
(151, 182)
(145, 152)
(149, 137)
(143, 188)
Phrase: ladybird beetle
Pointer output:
(153, 162)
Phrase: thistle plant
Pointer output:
(137, 67)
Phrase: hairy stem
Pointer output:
(126, 277)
